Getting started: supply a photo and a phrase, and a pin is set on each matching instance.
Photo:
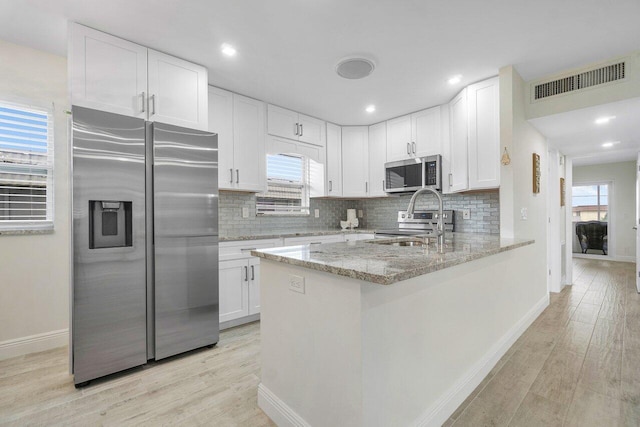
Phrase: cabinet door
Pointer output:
(377, 158)
(281, 122)
(221, 122)
(425, 132)
(312, 130)
(484, 134)
(233, 289)
(177, 91)
(334, 160)
(107, 73)
(254, 285)
(355, 161)
(458, 173)
(248, 143)
(399, 139)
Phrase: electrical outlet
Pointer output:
(360, 214)
(296, 283)
(316, 213)
(245, 212)
(523, 214)
(466, 213)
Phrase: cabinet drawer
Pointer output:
(241, 249)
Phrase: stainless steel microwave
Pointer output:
(413, 174)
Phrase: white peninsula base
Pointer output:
(353, 353)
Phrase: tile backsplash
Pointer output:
(377, 213)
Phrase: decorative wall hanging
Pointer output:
(505, 157)
(536, 173)
(562, 191)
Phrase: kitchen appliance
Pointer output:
(413, 174)
(423, 222)
(145, 242)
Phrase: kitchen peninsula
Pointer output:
(376, 333)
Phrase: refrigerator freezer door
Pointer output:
(185, 183)
(109, 290)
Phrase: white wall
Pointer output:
(522, 140)
(623, 203)
(34, 269)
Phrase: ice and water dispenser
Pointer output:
(109, 224)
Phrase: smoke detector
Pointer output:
(355, 68)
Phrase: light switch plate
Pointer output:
(466, 213)
(245, 212)
(316, 213)
(296, 283)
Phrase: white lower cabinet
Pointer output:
(239, 281)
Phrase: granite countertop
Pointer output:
(387, 264)
(288, 233)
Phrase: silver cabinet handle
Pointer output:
(153, 103)
(450, 179)
(144, 99)
(237, 176)
(408, 148)
(301, 129)
(366, 186)
(248, 249)
(413, 144)
(231, 172)
(253, 273)
(383, 185)
(295, 129)
(330, 185)
(246, 274)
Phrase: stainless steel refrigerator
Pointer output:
(145, 242)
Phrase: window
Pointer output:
(287, 191)
(590, 202)
(26, 167)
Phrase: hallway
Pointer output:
(577, 365)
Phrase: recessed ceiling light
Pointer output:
(610, 144)
(370, 108)
(603, 120)
(454, 80)
(228, 50)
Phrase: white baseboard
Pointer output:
(279, 412)
(442, 409)
(624, 258)
(33, 343)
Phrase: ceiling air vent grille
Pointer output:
(607, 74)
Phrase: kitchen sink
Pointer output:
(421, 243)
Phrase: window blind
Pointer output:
(286, 190)
(26, 167)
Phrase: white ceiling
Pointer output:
(576, 135)
(287, 49)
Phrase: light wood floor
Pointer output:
(577, 365)
(213, 387)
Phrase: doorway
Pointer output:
(590, 213)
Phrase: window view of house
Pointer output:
(287, 190)
(590, 219)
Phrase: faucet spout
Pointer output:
(440, 223)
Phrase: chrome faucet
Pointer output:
(440, 224)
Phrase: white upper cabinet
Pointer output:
(377, 159)
(426, 137)
(484, 134)
(474, 141)
(111, 74)
(414, 135)
(334, 160)
(239, 123)
(177, 91)
(355, 161)
(249, 143)
(399, 138)
(289, 124)
(458, 179)
(221, 122)
(107, 73)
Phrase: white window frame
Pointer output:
(303, 210)
(48, 164)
